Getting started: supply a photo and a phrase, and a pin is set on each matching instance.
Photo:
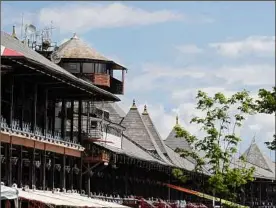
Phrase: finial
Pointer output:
(133, 105)
(75, 36)
(13, 32)
(145, 110)
(254, 139)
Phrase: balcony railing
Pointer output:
(37, 134)
(100, 79)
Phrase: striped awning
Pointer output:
(9, 52)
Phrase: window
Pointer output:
(72, 67)
(100, 68)
(93, 124)
(88, 68)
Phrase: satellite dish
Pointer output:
(30, 29)
(55, 57)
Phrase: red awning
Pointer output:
(9, 52)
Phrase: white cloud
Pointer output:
(189, 49)
(85, 16)
(258, 45)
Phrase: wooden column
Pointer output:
(8, 172)
(19, 167)
(34, 108)
(72, 122)
(63, 119)
(53, 170)
(44, 168)
(80, 141)
(71, 159)
(63, 173)
(11, 101)
(123, 81)
(46, 113)
(23, 104)
(80, 122)
(32, 168)
(53, 116)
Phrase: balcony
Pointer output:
(105, 80)
(36, 139)
(100, 79)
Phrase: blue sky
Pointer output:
(172, 49)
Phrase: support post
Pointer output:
(19, 168)
(32, 168)
(63, 106)
(71, 173)
(23, 105)
(53, 170)
(53, 116)
(63, 178)
(72, 122)
(34, 108)
(80, 141)
(123, 81)
(46, 113)
(44, 168)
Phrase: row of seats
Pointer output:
(38, 133)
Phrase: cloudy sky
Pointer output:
(172, 49)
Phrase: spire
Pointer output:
(133, 105)
(176, 121)
(75, 36)
(13, 32)
(145, 110)
(254, 139)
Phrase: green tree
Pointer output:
(267, 104)
(222, 117)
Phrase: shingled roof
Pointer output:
(137, 130)
(75, 48)
(174, 142)
(172, 156)
(254, 156)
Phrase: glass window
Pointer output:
(72, 67)
(100, 68)
(88, 68)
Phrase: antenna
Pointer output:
(22, 23)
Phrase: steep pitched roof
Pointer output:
(137, 131)
(75, 48)
(253, 155)
(175, 142)
(172, 156)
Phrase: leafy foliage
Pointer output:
(222, 118)
(267, 104)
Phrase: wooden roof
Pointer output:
(254, 156)
(32, 56)
(75, 48)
